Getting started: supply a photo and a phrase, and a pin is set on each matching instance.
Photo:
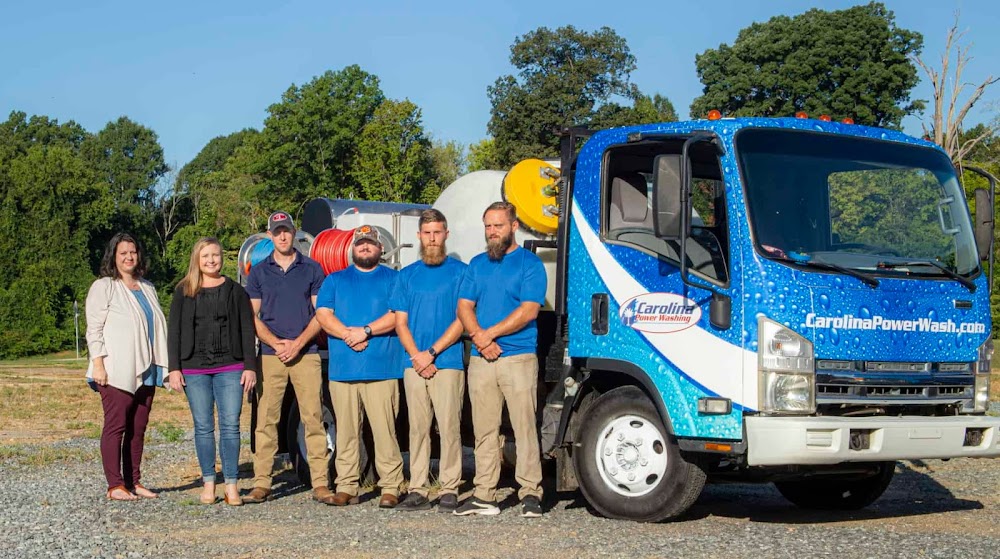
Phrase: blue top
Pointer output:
(286, 297)
(499, 287)
(429, 296)
(358, 298)
(154, 374)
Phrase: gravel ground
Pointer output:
(56, 508)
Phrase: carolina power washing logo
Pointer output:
(876, 322)
(660, 313)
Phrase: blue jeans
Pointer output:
(204, 393)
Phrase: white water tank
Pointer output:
(463, 203)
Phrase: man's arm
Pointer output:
(264, 333)
(302, 340)
(515, 321)
(330, 323)
(381, 325)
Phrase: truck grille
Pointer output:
(889, 382)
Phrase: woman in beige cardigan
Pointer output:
(126, 335)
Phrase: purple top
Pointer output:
(220, 369)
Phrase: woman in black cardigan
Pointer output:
(212, 356)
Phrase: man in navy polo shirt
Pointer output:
(283, 290)
(365, 368)
(425, 299)
(499, 298)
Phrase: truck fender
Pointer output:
(599, 369)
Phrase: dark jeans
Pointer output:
(125, 419)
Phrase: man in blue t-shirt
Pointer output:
(365, 367)
(425, 299)
(500, 295)
(282, 290)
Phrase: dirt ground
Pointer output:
(52, 402)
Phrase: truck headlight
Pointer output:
(981, 394)
(786, 370)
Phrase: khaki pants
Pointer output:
(306, 376)
(379, 400)
(439, 397)
(513, 380)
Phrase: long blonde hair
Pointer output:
(192, 280)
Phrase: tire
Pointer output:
(295, 439)
(838, 493)
(622, 436)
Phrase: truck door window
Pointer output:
(628, 215)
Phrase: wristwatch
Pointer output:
(368, 331)
(432, 351)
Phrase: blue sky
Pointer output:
(192, 71)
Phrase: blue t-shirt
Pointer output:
(498, 288)
(429, 296)
(286, 296)
(154, 374)
(358, 298)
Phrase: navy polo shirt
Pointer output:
(286, 296)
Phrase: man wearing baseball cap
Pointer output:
(365, 367)
(283, 289)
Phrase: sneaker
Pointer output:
(448, 503)
(473, 505)
(531, 507)
(414, 501)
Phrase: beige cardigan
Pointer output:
(117, 330)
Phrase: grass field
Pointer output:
(46, 398)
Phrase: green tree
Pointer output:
(845, 63)
(482, 156)
(393, 161)
(447, 161)
(644, 110)
(50, 201)
(309, 138)
(564, 77)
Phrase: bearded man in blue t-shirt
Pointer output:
(425, 300)
(499, 298)
(364, 370)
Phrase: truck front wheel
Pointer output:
(839, 493)
(628, 466)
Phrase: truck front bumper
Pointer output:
(781, 441)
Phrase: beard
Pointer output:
(367, 262)
(496, 249)
(433, 255)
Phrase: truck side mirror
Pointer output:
(984, 223)
(667, 196)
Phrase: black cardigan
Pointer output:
(180, 327)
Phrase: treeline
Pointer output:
(64, 190)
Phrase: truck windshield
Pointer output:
(880, 207)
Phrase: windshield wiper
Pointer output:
(865, 278)
(946, 271)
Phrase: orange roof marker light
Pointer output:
(801, 114)
(714, 114)
(848, 120)
(825, 118)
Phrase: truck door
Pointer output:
(643, 316)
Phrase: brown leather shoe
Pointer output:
(341, 499)
(388, 501)
(323, 495)
(257, 495)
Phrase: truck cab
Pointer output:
(785, 300)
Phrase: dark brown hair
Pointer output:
(432, 216)
(109, 269)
